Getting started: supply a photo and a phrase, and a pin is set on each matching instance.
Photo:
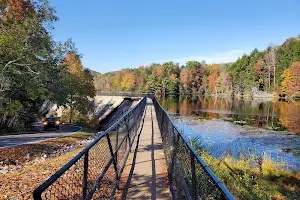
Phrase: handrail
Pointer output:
(172, 130)
(120, 93)
(128, 122)
(95, 172)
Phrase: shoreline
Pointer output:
(230, 95)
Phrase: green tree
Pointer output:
(79, 86)
(28, 63)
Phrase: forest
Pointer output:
(35, 70)
(269, 73)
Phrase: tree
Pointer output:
(80, 85)
(291, 80)
(17, 9)
(196, 70)
(173, 86)
(140, 84)
(73, 62)
(260, 69)
(151, 84)
(270, 60)
(117, 78)
(27, 52)
(228, 81)
(185, 79)
(239, 73)
(191, 76)
(128, 82)
(158, 72)
(213, 82)
(170, 80)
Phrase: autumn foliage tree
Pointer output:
(32, 65)
(256, 73)
(79, 85)
(213, 82)
(128, 82)
(291, 80)
(19, 10)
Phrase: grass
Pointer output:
(247, 182)
(83, 134)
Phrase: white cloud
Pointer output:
(221, 57)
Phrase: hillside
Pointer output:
(271, 72)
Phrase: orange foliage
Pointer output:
(73, 62)
(140, 81)
(291, 79)
(213, 82)
(159, 72)
(185, 78)
(173, 77)
(288, 113)
(17, 9)
(128, 81)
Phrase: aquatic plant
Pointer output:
(253, 177)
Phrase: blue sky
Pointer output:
(112, 35)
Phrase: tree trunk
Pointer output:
(70, 121)
(273, 64)
(269, 77)
(71, 101)
(274, 76)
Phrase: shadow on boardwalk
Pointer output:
(146, 175)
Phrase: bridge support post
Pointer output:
(85, 174)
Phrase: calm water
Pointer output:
(241, 127)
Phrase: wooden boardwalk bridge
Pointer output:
(146, 169)
(141, 156)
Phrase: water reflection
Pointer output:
(262, 113)
(198, 117)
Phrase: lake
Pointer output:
(265, 128)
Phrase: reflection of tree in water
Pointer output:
(264, 113)
(289, 115)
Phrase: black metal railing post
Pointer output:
(85, 174)
(117, 142)
(194, 177)
(37, 195)
(114, 160)
(128, 130)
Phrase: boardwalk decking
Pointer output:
(145, 174)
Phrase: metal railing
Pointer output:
(189, 176)
(122, 94)
(95, 172)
